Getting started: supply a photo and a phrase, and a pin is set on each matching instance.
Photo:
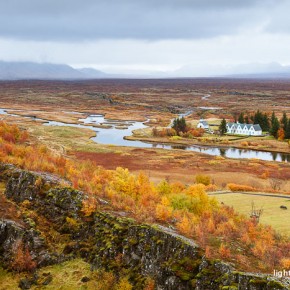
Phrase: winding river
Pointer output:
(114, 131)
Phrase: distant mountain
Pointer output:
(261, 76)
(45, 71)
(248, 70)
(92, 73)
(48, 71)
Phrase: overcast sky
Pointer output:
(195, 37)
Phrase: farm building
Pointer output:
(203, 124)
(244, 129)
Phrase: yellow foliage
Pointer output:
(164, 187)
(196, 190)
(72, 222)
(124, 284)
(203, 179)
(165, 201)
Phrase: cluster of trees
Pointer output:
(280, 129)
(258, 118)
(179, 125)
(183, 130)
(188, 208)
(179, 128)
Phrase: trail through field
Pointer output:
(252, 193)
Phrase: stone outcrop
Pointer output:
(12, 233)
(115, 243)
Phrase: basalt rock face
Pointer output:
(13, 234)
(115, 243)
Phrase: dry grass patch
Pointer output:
(272, 213)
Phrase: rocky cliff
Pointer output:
(111, 242)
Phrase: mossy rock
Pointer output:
(275, 285)
(259, 283)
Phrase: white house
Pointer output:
(244, 129)
(203, 124)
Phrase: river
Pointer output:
(116, 131)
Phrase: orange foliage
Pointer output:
(239, 187)
(163, 132)
(164, 210)
(265, 174)
(194, 133)
(281, 134)
(285, 263)
(150, 284)
(224, 251)
(89, 206)
(22, 260)
(189, 208)
(184, 226)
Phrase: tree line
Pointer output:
(280, 129)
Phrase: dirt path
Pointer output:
(252, 193)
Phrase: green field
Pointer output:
(272, 213)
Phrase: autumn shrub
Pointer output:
(22, 260)
(164, 210)
(12, 134)
(124, 284)
(194, 133)
(163, 132)
(184, 226)
(285, 263)
(224, 251)
(203, 179)
(244, 144)
(239, 187)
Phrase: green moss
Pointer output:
(30, 222)
(275, 285)
(133, 241)
(186, 269)
(193, 283)
(258, 282)
(222, 278)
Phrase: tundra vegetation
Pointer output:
(169, 187)
(217, 228)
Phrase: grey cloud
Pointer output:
(279, 21)
(72, 20)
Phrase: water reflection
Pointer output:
(116, 130)
(222, 152)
